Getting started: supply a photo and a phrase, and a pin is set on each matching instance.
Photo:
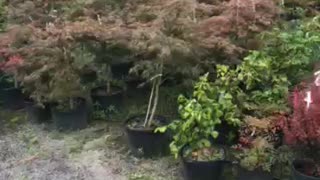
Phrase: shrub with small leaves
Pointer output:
(257, 143)
(262, 81)
(200, 116)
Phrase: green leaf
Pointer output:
(214, 134)
(161, 129)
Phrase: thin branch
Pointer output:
(149, 105)
(237, 16)
(155, 76)
(156, 99)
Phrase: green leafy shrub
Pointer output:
(262, 81)
(296, 9)
(258, 139)
(200, 115)
(255, 158)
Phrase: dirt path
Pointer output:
(31, 152)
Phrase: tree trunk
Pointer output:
(149, 105)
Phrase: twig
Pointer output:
(155, 76)
(149, 105)
(156, 99)
(154, 108)
(99, 19)
(237, 15)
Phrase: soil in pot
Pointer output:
(37, 114)
(304, 170)
(257, 174)
(144, 142)
(71, 119)
(206, 164)
(105, 99)
(12, 98)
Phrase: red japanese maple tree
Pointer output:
(302, 129)
(10, 65)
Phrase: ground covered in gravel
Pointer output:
(36, 152)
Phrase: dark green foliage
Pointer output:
(262, 82)
(200, 115)
(254, 158)
(296, 9)
(282, 163)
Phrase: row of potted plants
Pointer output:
(211, 135)
(253, 146)
(209, 124)
(212, 127)
(63, 87)
(244, 116)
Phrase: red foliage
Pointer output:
(303, 127)
(11, 64)
(243, 18)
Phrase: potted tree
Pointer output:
(109, 91)
(194, 134)
(301, 130)
(11, 92)
(33, 77)
(68, 96)
(109, 86)
(255, 153)
(51, 76)
(143, 140)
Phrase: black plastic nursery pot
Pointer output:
(297, 167)
(257, 174)
(145, 142)
(74, 119)
(12, 98)
(106, 100)
(202, 170)
(37, 114)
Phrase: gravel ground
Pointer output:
(32, 152)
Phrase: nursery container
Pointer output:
(297, 175)
(12, 98)
(145, 142)
(37, 114)
(202, 170)
(257, 174)
(115, 98)
(74, 119)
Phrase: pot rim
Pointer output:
(82, 104)
(118, 90)
(259, 169)
(205, 162)
(146, 130)
(224, 160)
(300, 173)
